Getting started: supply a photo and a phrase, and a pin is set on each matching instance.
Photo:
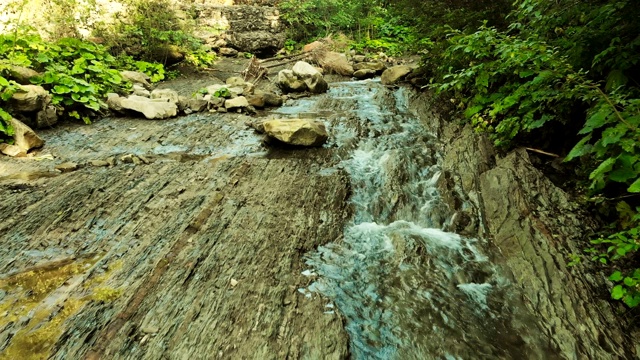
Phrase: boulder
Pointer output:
(311, 76)
(394, 74)
(364, 74)
(301, 132)
(150, 108)
(289, 82)
(359, 58)
(137, 77)
(227, 51)
(140, 90)
(47, 117)
(239, 102)
(256, 42)
(114, 102)
(334, 62)
(21, 74)
(24, 137)
(197, 104)
(30, 98)
(376, 66)
(313, 46)
(12, 150)
(256, 100)
(166, 95)
(272, 99)
(235, 81)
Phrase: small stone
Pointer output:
(99, 163)
(233, 282)
(225, 51)
(12, 150)
(67, 167)
(150, 329)
(239, 102)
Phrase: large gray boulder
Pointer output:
(30, 98)
(333, 62)
(289, 82)
(311, 77)
(150, 108)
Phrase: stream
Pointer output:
(407, 288)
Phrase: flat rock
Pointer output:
(239, 102)
(67, 167)
(137, 77)
(166, 94)
(364, 74)
(301, 132)
(150, 108)
(12, 150)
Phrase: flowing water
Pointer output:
(407, 289)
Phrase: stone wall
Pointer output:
(247, 25)
(253, 29)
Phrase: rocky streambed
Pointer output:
(402, 237)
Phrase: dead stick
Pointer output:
(542, 152)
(285, 57)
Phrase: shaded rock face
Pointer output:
(253, 29)
(533, 226)
(301, 132)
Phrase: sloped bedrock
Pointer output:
(531, 227)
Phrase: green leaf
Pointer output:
(597, 120)
(604, 168)
(473, 110)
(635, 187)
(581, 148)
(60, 89)
(630, 282)
(616, 276)
(618, 292)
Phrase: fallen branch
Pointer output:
(542, 152)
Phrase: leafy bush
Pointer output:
(77, 73)
(152, 31)
(558, 68)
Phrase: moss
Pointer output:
(26, 292)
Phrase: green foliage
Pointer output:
(554, 69)
(152, 31)
(77, 73)
(508, 85)
(369, 23)
(223, 93)
(7, 89)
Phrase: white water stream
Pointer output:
(407, 289)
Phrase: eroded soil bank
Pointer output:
(197, 245)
